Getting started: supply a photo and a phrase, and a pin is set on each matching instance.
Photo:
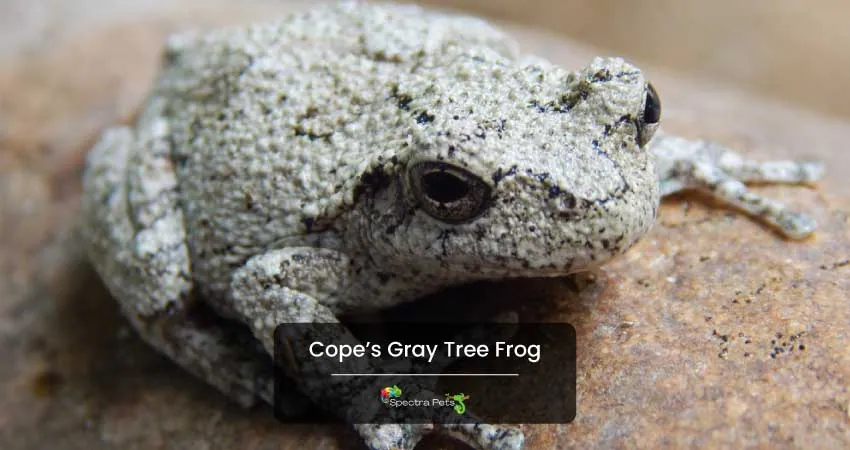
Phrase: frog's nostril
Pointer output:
(569, 204)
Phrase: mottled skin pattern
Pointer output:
(357, 156)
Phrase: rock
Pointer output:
(713, 331)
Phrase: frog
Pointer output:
(355, 156)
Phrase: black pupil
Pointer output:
(443, 187)
(652, 108)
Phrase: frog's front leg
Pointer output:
(695, 164)
(304, 285)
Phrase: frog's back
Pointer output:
(273, 124)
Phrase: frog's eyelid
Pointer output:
(449, 194)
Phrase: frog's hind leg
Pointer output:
(719, 171)
(136, 243)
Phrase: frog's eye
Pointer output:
(448, 193)
(652, 105)
(650, 115)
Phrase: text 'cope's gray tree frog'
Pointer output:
(357, 156)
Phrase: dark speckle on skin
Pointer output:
(501, 125)
(384, 277)
(301, 131)
(570, 200)
(536, 105)
(499, 175)
(601, 76)
(371, 181)
(444, 237)
(404, 102)
(424, 118)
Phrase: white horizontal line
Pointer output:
(424, 374)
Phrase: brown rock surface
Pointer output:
(712, 332)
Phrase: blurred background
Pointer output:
(794, 50)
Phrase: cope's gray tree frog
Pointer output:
(356, 156)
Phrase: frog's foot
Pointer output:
(136, 243)
(486, 437)
(405, 437)
(685, 164)
(392, 436)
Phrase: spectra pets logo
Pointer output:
(390, 392)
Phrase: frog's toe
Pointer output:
(393, 436)
(483, 436)
(795, 225)
(479, 436)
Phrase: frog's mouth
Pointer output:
(523, 260)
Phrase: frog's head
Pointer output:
(522, 170)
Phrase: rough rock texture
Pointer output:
(711, 332)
